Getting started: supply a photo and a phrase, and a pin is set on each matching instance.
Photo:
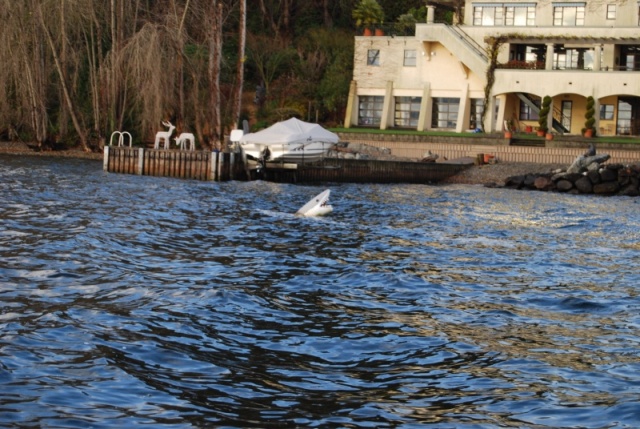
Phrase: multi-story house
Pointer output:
(440, 78)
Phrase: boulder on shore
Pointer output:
(588, 174)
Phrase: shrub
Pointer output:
(544, 113)
(589, 115)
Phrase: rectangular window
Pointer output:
(475, 115)
(606, 111)
(520, 15)
(573, 59)
(611, 11)
(407, 112)
(373, 57)
(410, 58)
(629, 58)
(370, 110)
(529, 111)
(568, 14)
(445, 112)
(488, 15)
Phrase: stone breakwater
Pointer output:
(609, 179)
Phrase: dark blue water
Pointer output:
(131, 301)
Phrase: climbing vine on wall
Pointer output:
(494, 43)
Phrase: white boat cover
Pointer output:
(290, 131)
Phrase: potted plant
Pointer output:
(589, 117)
(544, 115)
(508, 129)
(368, 13)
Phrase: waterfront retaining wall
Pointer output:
(555, 152)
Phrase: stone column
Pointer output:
(490, 117)
(597, 58)
(425, 111)
(463, 110)
(351, 101)
(387, 108)
(431, 11)
(548, 65)
(499, 124)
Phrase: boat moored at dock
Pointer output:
(292, 140)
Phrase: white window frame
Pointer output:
(569, 14)
(410, 58)
(373, 57)
(370, 110)
(520, 14)
(444, 112)
(488, 14)
(407, 112)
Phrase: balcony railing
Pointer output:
(522, 65)
(540, 65)
(392, 29)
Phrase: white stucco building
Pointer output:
(436, 79)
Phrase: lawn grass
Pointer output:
(623, 140)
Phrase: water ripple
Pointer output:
(139, 301)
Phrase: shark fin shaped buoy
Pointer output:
(317, 206)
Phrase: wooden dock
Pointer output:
(195, 165)
(219, 166)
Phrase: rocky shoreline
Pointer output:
(609, 179)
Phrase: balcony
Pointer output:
(522, 65)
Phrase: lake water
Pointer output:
(130, 301)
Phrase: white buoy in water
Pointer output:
(317, 206)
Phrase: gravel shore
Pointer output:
(20, 148)
(498, 173)
(488, 174)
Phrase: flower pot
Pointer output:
(367, 32)
(508, 134)
(379, 32)
(528, 128)
(540, 133)
(588, 132)
(549, 136)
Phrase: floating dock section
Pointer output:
(219, 166)
(362, 171)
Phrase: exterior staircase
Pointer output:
(470, 53)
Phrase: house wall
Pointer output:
(555, 82)
(434, 65)
(450, 62)
(595, 14)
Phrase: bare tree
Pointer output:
(215, 58)
(242, 34)
(147, 60)
(26, 74)
(278, 16)
(63, 82)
